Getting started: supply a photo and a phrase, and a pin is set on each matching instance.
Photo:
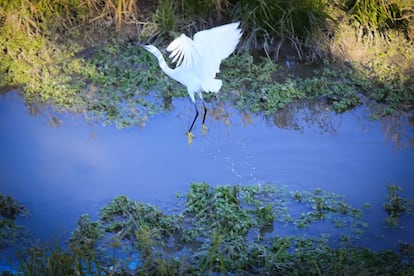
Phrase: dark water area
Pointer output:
(61, 172)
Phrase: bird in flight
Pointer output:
(197, 61)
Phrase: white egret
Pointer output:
(198, 61)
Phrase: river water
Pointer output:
(61, 172)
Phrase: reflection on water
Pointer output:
(219, 112)
(310, 114)
(317, 115)
(74, 167)
(398, 130)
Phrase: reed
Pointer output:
(204, 8)
(50, 17)
(274, 22)
(165, 15)
(379, 16)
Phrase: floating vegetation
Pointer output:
(396, 206)
(48, 259)
(10, 232)
(10, 209)
(223, 229)
(329, 206)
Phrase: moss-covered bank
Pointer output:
(80, 55)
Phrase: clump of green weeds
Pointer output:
(49, 259)
(375, 16)
(128, 87)
(204, 9)
(219, 230)
(10, 209)
(165, 15)
(30, 57)
(394, 88)
(329, 207)
(10, 232)
(229, 211)
(126, 218)
(47, 72)
(253, 86)
(42, 16)
(191, 16)
(54, 18)
(341, 88)
(396, 205)
(36, 56)
(296, 22)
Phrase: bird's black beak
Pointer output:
(143, 46)
(140, 44)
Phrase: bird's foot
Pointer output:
(190, 137)
(204, 129)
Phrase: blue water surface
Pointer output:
(61, 172)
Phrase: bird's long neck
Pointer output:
(163, 64)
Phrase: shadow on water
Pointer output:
(317, 116)
(59, 166)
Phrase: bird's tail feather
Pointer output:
(213, 85)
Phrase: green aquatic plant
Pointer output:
(396, 205)
(10, 231)
(325, 206)
(48, 260)
(219, 230)
(218, 210)
(10, 208)
(84, 244)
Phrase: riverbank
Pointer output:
(82, 57)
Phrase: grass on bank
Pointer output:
(61, 54)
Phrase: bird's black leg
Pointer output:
(190, 135)
(205, 112)
(203, 126)
(195, 118)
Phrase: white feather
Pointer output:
(207, 50)
(198, 60)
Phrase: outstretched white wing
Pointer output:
(207, 50)
(183, 51)
(216, 44)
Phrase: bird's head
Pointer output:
(157, 53)
(151, 48)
